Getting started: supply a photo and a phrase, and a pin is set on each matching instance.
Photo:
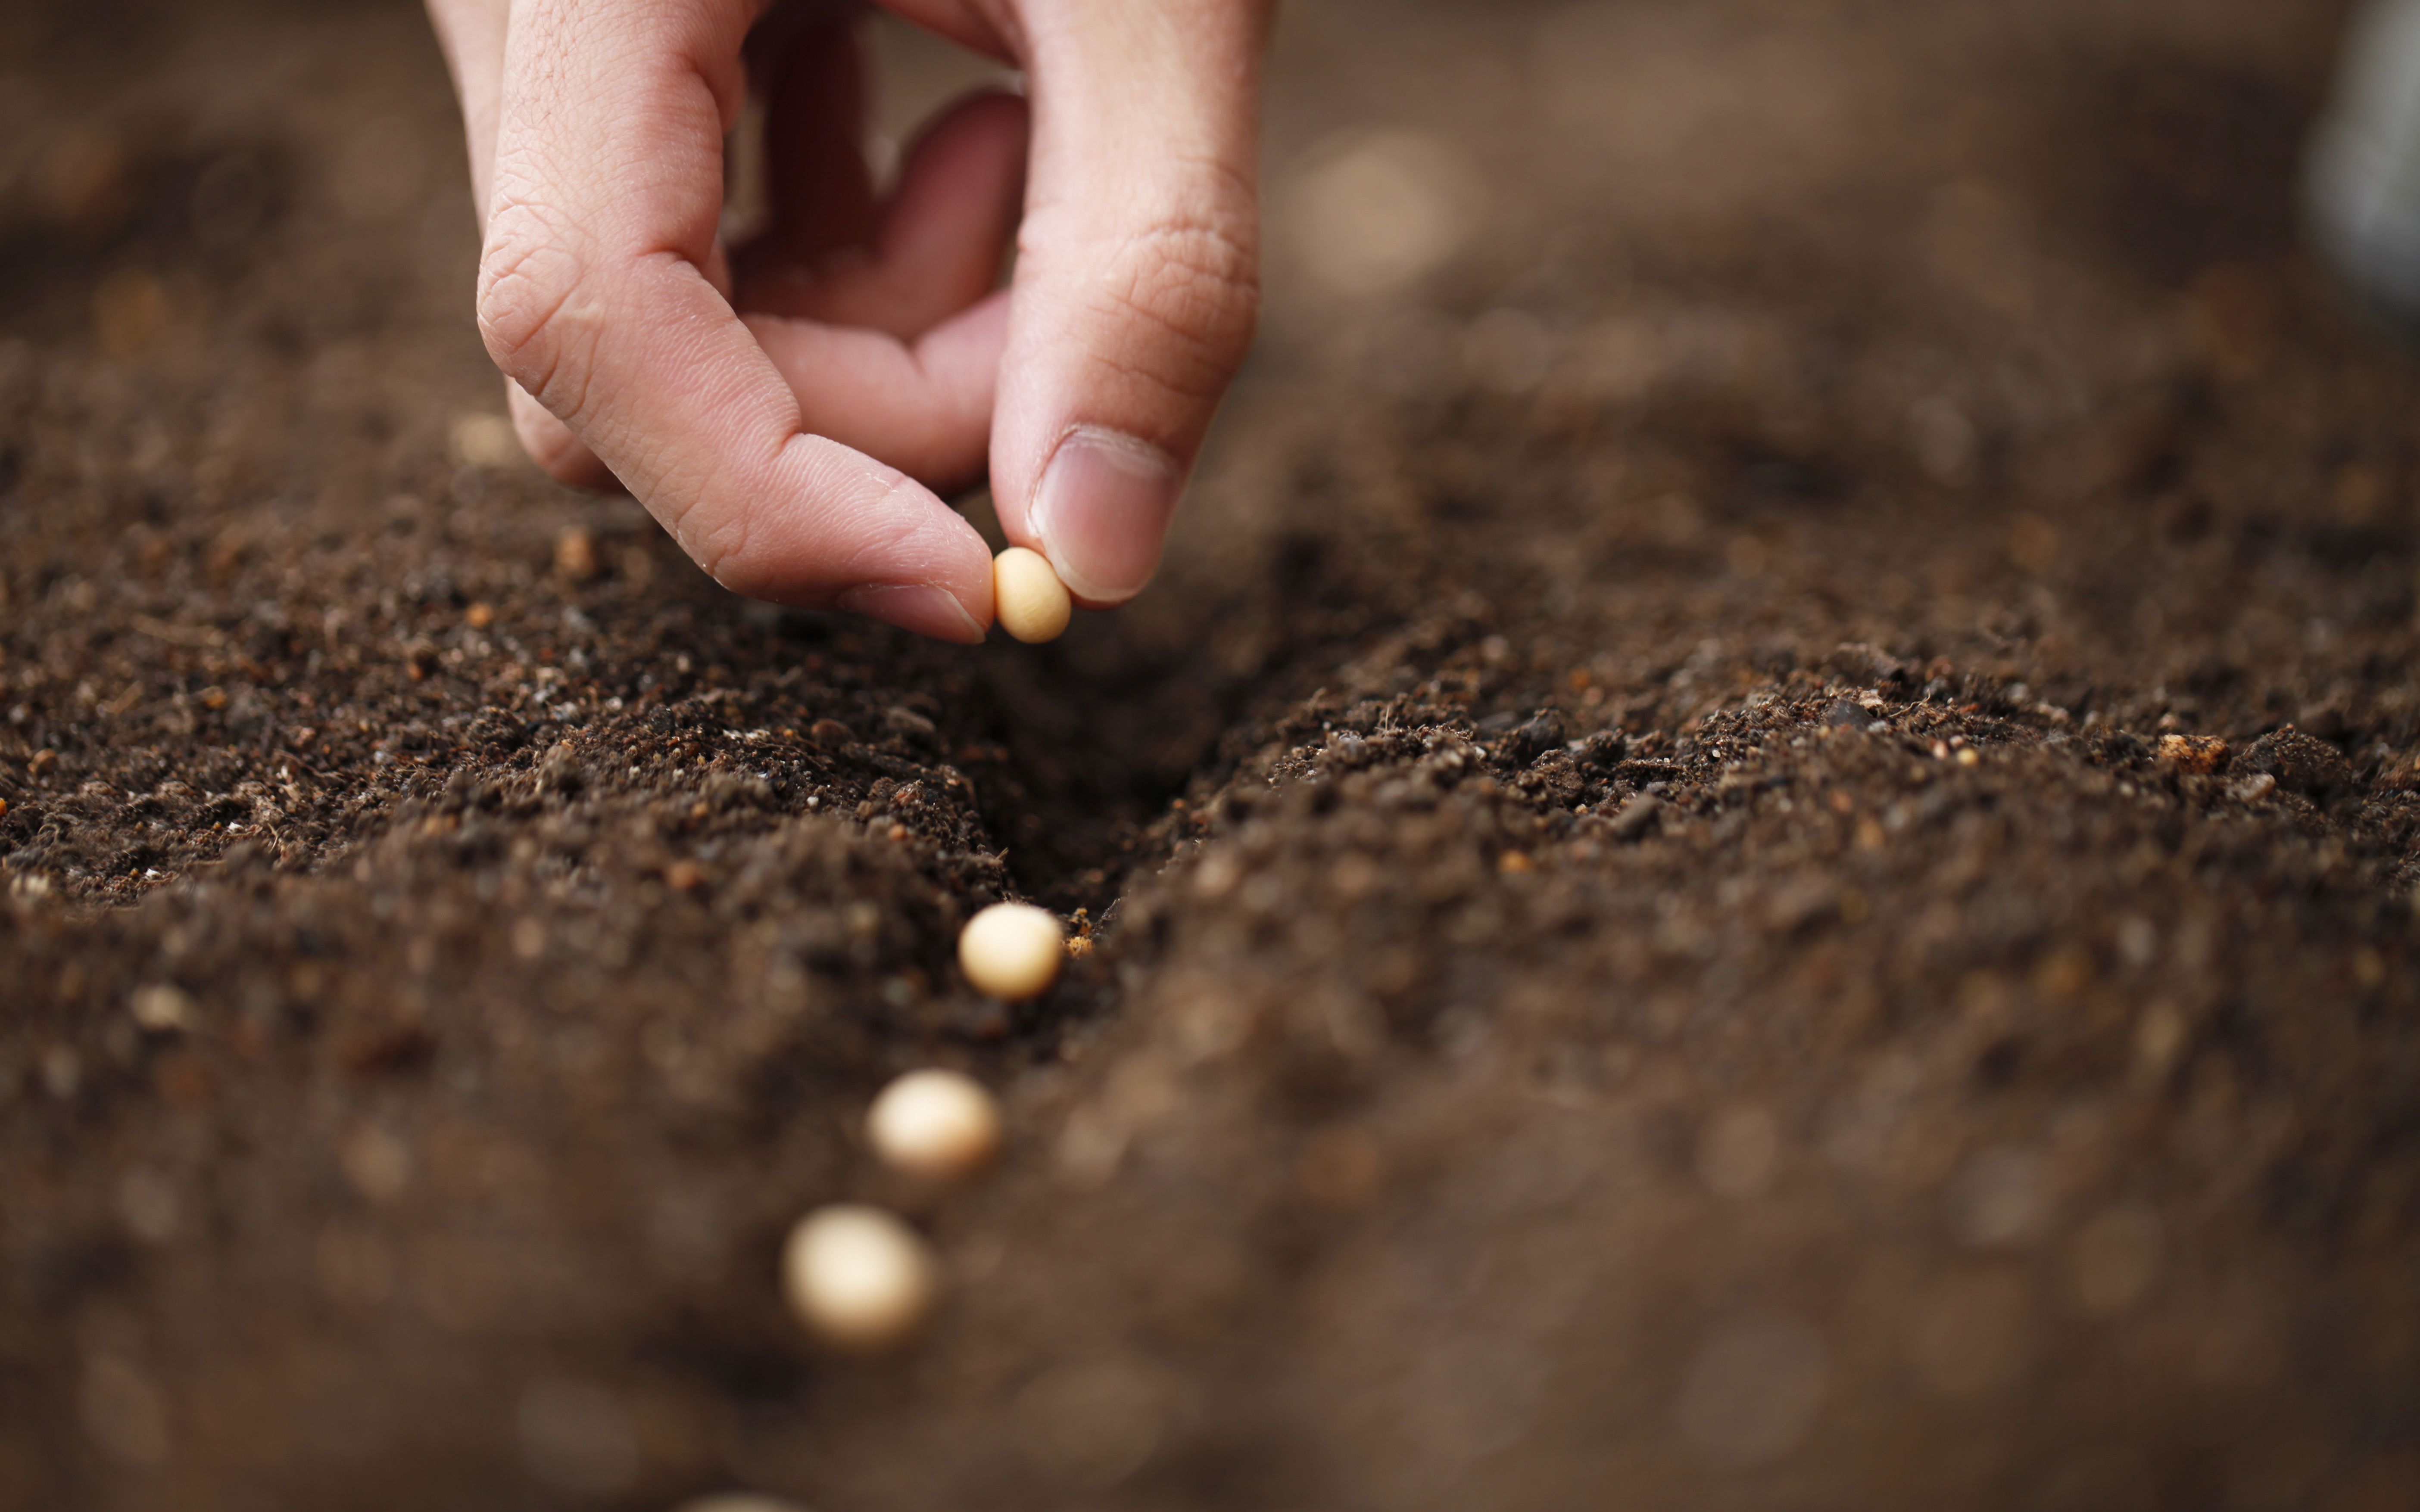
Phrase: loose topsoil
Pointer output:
(1648, 945)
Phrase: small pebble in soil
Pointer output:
(2193, 755)
(936, 1125)
(161, 1007)
(1032, 602)
(575, 554)
(859, 1278)
(1011, 950)
(1542, 733)
(2252, 789)
(2299, 762)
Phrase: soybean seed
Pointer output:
(860, 1279)
(1032, 602)
(937, 1125)
(1011, 950)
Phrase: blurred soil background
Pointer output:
(1649, 945)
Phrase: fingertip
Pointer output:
(834, 529)
(986, 109)
(551, 445)
(995, 123)
(942, 237)
(925, 609)
(1102, 513)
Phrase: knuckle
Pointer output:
(530, 286)
(1194, 280)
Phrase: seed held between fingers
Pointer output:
(1012, 950)
(936, 1125)
(860, 1278)
(1032, 602)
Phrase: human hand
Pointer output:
(785, 409)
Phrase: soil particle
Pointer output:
(2299, 763)
(2194, 755)
(1542, 733)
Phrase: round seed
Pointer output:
(859, 1278)
(1032, 602)
(1011, 950)
(937, 1125)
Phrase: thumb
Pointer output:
(1138, 280)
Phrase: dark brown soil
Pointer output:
(1651, 950)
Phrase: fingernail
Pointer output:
(918, 607)
(1102, 511)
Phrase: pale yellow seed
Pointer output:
(1032, 602)
(859, 1278)
(1011, 950)
(936, 1125)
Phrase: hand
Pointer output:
(785, 409)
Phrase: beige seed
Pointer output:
(859, 1278)
(1032, 602)
(1011, 950)
(936, 1125)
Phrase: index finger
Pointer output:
(594, 296)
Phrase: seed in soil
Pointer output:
(859, 1278)
(936, 1125)
(1011, 950)
(1032, 602)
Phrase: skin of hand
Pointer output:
(787, 407)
